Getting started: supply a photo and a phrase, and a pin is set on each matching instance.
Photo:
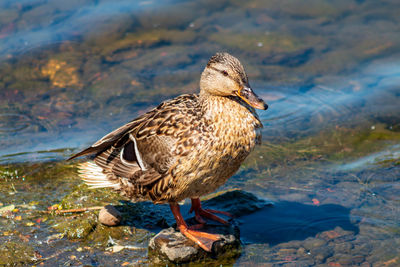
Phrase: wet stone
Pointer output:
(338, 235)
(13, 254)
(313, 243)
(171, 246)
(365, 264)
(364, 249)
(104, 236)
(301, 251)
(78, 228)
(301, 262)
(287, 251)
(343, 247)
(110, 216)
(322, 253)
(347, 259)
(292, 244)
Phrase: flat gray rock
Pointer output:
(170, 245)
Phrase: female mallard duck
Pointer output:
(185, 148)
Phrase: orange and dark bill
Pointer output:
(248, 96)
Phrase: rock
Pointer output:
(14, 253)
(321, 253)
(338, 235)
(346, 259)
(78, 228)
(343, 248)
(236, 202)
(292, 244)
(312, 243)
(110, 216)
(301, 251)
(170, 245)
(286, 251)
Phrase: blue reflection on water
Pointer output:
(286, 221)
(335, 102)
(67, 23)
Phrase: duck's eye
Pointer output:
(225, 73)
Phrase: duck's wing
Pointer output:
(107, 140)
(144, 149)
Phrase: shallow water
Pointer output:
(329, 70)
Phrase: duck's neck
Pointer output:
(211, 103)
(222, 108)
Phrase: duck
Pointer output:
(186, 147)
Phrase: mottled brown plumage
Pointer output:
(184, 148)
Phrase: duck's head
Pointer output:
(224, 75)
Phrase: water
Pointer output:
(329, 70)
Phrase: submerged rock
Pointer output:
(236, 202)
(170, 245)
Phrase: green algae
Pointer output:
(335, 145)
(28, 181)
(86, 227)
(121, 234)
(82, 197)
(389, 162)
(77, 228)
(16, 253)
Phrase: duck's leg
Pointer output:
(207, 213)
(203, 239)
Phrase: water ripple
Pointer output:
(11, 122)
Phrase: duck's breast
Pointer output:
(218, 150)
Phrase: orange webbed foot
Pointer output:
(207, 213)
(203, 239)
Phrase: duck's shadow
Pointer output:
(259, 221)
(286, 221)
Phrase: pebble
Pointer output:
(110, 216)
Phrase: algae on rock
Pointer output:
(16, 253)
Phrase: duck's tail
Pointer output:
(94, 176)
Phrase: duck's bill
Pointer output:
(248, 96)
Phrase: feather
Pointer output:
(94, 176)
